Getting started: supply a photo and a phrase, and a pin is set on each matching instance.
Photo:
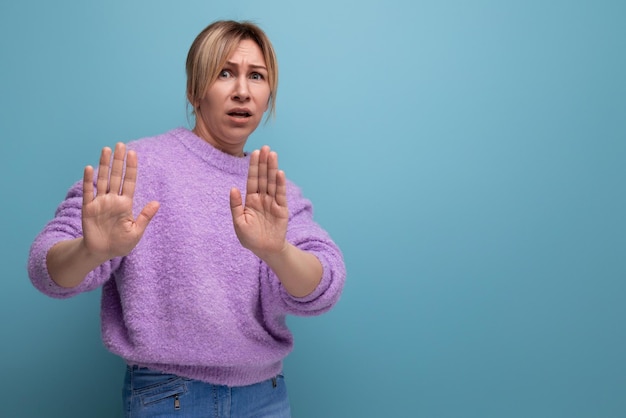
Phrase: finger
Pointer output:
(236, 204)
(281, 188)
(252, 185)
(263, 169)
(103, 171)
(87, 185)
(272, 170)
(117, 168)
(130, 175)
(146, 215)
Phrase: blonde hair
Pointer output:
(211, 49)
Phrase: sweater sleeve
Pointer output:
(65, 225)
(304, 233)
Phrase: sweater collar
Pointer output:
(207, 152)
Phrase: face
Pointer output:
(235, 103)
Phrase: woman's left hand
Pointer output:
(261, 224)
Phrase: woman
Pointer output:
(196, 287)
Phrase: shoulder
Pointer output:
(156, 144)
(296, 201)
(154, 150)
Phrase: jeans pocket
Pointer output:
(151, 386)
(161, 393)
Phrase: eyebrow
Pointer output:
(251, 65)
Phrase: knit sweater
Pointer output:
(189, 299)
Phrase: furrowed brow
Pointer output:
(256, 66)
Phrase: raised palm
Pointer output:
(261, 223)
(109, 227)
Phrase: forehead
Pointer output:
(247, 51)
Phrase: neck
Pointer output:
(234, 150)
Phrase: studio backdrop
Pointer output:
(467, 156)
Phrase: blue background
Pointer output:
(468, 157)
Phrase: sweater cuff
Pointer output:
(320, 300)
(39, 274)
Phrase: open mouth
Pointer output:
(239, 114)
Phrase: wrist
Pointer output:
(299, 271)
(89, 255)
(273, 258)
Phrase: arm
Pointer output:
(261, 225)
(299, 271)
(109, 228)
(70, 261)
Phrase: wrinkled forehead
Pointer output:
(247, 52)
(245, 45)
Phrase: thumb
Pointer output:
(236, 204)
(146, 215)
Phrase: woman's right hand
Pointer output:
(109, 227)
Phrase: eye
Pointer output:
(257, 76)
(225, 74)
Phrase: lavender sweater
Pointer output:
(189, 299)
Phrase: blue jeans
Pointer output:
(149, 393)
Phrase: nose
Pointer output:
(241, 92)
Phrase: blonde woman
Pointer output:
(201, 248)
